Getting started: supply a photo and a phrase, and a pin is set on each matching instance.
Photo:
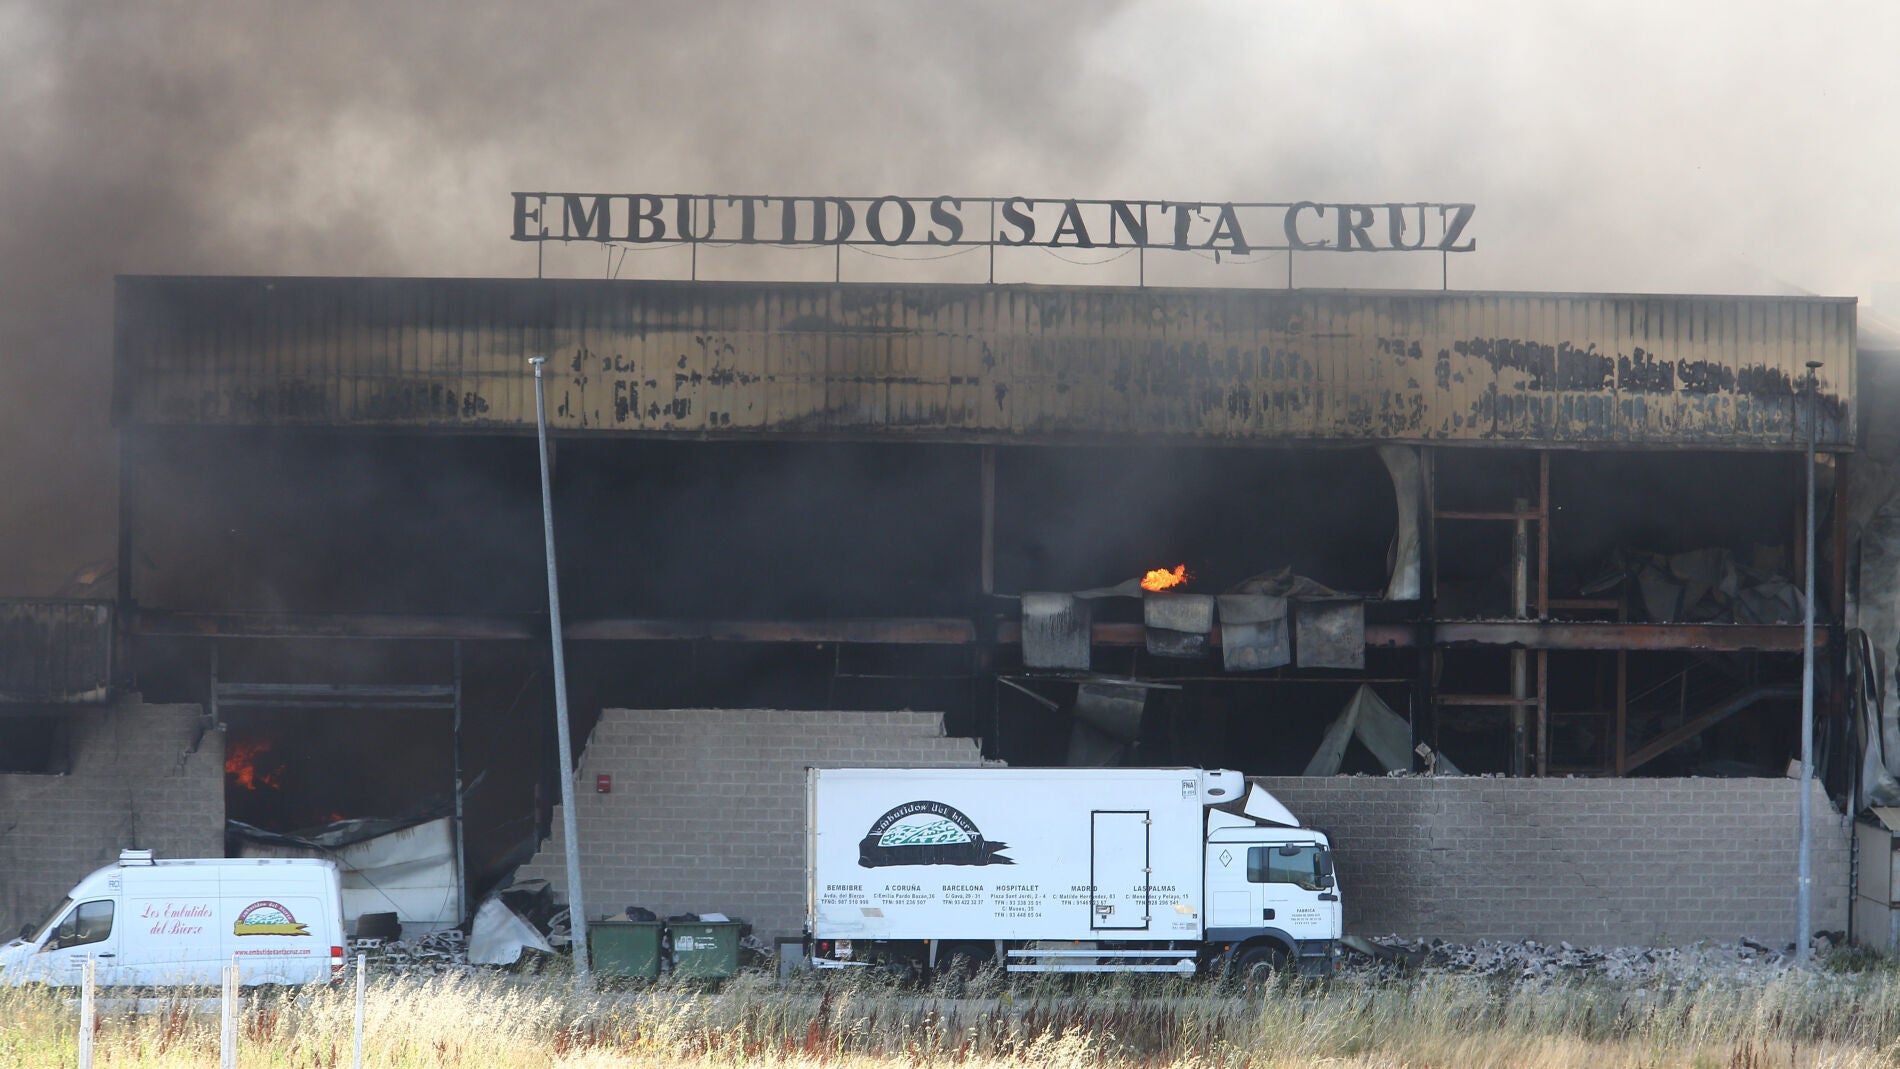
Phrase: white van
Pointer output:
(150, 922)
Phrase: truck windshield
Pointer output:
(1298, 864)
(39, 930)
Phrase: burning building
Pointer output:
(1531, 534)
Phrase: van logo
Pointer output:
(267, 918)
(927, 833)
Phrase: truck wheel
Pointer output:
(958, 964)
(1258, 965)
(902, 972)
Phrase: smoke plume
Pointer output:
(1623, 147)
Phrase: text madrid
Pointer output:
(1233, 227)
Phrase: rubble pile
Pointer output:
(427, 955)
(560, 929)
(1531, 962)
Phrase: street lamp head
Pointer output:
(537, 361)
(1814, 365)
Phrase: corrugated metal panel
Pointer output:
(982, 362)
(55, 651)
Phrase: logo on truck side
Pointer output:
(267, 918)
(927, 833)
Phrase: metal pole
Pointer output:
(227, 1025)
(461, 835)
(356, 1044)
(576, 911)
(1520, 660)
(88, 1010)
(1804, 904)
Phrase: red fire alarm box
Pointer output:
(603, 784)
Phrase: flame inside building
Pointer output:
(1164, 578)
(248, 764)
(1554, 535)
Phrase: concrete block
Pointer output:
(1584, 860)
(717, 816)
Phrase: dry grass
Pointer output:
(1797, 1019)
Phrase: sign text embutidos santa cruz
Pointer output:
(1231, 227)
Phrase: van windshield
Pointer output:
(40, 929)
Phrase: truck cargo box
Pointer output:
(1010, 854)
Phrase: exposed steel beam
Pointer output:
(946, 631)
(1524, 634)
(1687, 730)
(329, 625)
(1606, 635)
(895, 630)
(943, 631)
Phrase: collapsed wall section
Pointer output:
(1590, 861)
(707, 807)
(146, 776)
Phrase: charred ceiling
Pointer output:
(830, 574)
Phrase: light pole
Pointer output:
(576, 912)
(1803, 897)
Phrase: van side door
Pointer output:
(172, 928)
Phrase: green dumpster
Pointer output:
(706, 950)
(625, 948)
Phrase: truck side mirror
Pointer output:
(1326, 882)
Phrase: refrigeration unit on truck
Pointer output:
(1064, 870)
(147, 922)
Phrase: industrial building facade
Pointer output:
(1528, 534)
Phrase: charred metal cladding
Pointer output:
(55, 651)
(1224, 226)
(986, 363)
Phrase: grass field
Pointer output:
(1829, 1017)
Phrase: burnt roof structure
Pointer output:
(1551, 533)
(995, 364)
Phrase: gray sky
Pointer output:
(1692, 147)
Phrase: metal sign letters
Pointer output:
(1229, 227)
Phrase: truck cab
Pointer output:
(1272, 897)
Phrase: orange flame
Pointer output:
(1162, 578)
(240, 763)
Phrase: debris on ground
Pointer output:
(427, 955)
(1530, 961)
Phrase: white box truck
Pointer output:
(1064, 870)
(148, 922)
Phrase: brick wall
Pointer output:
(708, 805)
(1631, 861)
(132, 784)
(708, 813)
